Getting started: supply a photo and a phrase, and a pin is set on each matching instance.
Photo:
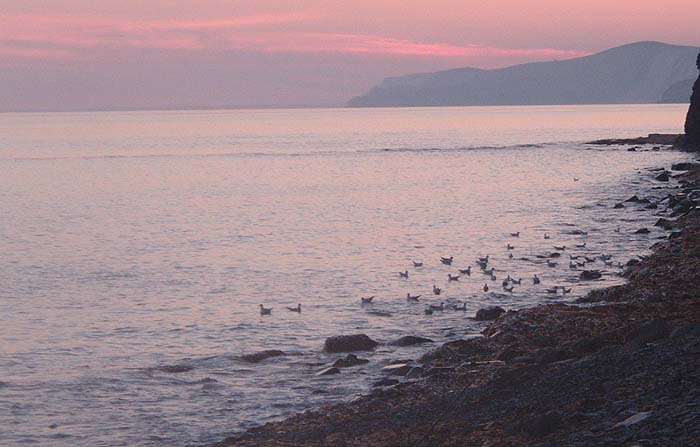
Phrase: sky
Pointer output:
(153, 54)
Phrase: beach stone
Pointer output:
(618, 206)
(411, 340)
(385, 382)
(642, 231)
(635, 419)
(400, 369)
(543, 424)
(688, 330)
(647, 333)
(489, 313)
(328, 371)
(663, 177)
(349, 361)
(260, 356)
(685, 166)
(349, 343)
(590, 275)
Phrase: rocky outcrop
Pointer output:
(411, 340)
(692, 120)
(349, 361)
(489, 313)
(349, 343)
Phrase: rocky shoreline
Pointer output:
(621, 368)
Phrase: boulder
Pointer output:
(349, 343)
(692, 119)
(687, 166)
(663, 177)
(642, 231)
(664, 223)
(260, 356)
(618, 206)
(632, 262)
(328, 371)
(411, 340)
(489, 313)
(589, 275)
(349, 361)
(399, 369)
(633, 199)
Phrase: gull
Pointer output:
(493, 277)
(467, 271)
(508, 289)
(559, 247)
(483, 260)
(264, 310)
(447, 261)
(516, 281)
(581, 245)
(510, 255)
(428, 311)
(552, 290)
(439, 308)
(403, 274)
(489, 272)
(581, 264)
(535, 280)
(410, 297)
(452, 278)
(486, 287)
(574, 257)
(505, 282)
(576, 179)
(515, 234)
(417, 264)
(367, 300)
(565, 290)
(572, 265)
(605, 257)
(608, 263)
(551, 264)
(588, 259)
(617, 230)
(295, 309)
(546, 236)
(510, 247)
(437, 290)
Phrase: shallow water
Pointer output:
(133, 241)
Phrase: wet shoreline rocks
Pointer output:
(623, 369)
(349, 343)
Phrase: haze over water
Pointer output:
(134, 241)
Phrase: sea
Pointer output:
(137, 247)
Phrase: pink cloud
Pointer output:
(73, 37)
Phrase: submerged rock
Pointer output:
(687, 166)
(618, 206)
(489, 313)
(591, 275)
(262, 355)
(642, 231)
(411, 340)
(664, 223)
(349, 343)
(175, 369)
(663, 177)
(349, 361)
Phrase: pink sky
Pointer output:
(323, 51)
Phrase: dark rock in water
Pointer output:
(633, 199)
(648, 332)
(692, 119)
(349, 343)
(542, 425)
(386, 382)
(652, 206)
(682, 207)
(663, 177)
(175, 369)
(664, 223)
(590, 275)
(685, 166)
(632, 149)
(675, 234)
(554, 255)
(642, 231)
(688, 330)
(411, 340)
(489, 313)
(349, 361)
(379, 313)
(618, 206)
(400, 369)
(328, 371)
(632, 262)
(260, 356)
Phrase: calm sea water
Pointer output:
(134, 241)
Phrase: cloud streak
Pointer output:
(70, 38)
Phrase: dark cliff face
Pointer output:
(692, 120)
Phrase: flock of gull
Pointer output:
(486, 268)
